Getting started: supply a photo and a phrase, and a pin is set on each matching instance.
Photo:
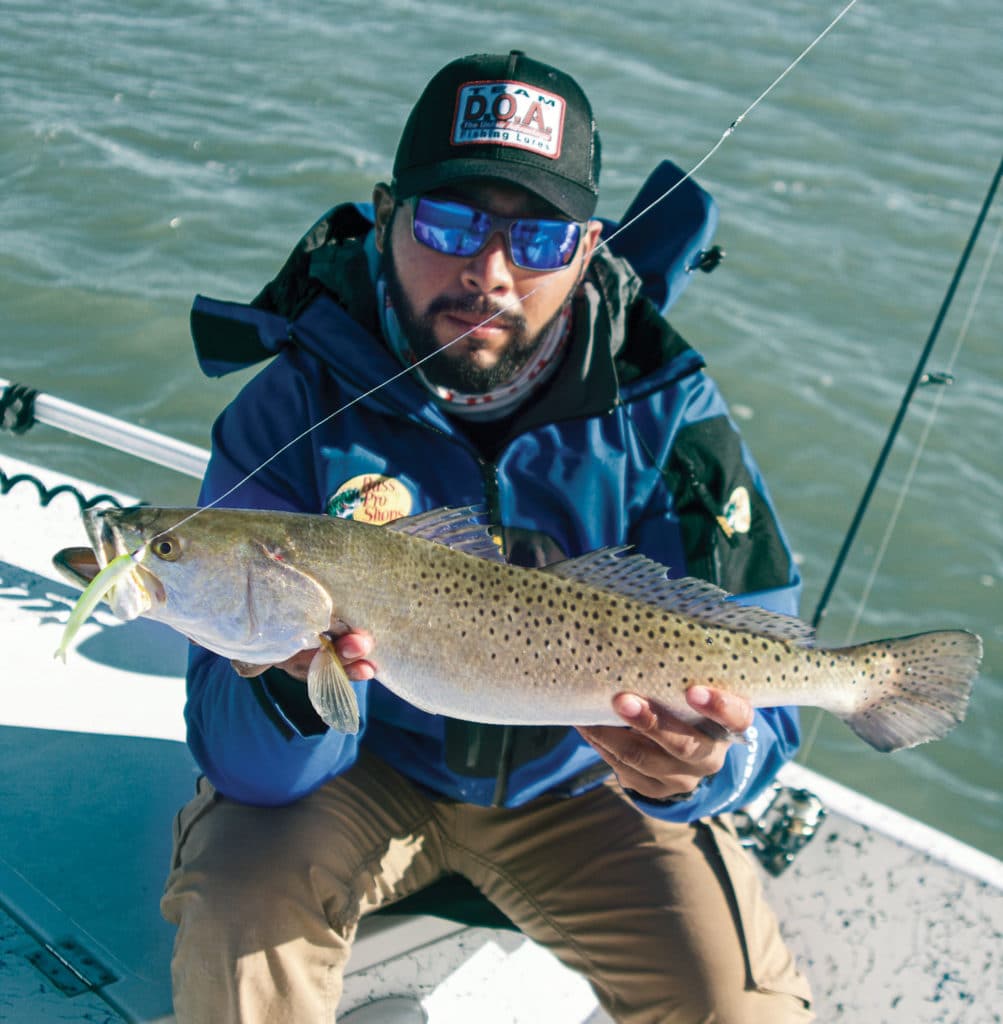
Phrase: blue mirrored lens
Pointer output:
(450, 228)
(456, 229)
(543, 244)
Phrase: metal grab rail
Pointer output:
(115, 433)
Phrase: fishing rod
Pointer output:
(21, 407)
(919, 377)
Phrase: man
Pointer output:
(546, 388)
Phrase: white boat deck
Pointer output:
(893, 921)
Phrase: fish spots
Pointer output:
(561, 635)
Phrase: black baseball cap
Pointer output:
(507, 117)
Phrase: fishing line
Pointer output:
(914, 383)
(518, 300)
(738, 120)
(924, 436)
(917, 380)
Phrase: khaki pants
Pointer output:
(666, 921)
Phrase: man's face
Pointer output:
(439, 298)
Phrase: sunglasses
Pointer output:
(456, 229)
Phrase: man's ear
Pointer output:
(383, 204)
(593, 229)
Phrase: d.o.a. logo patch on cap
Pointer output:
(371, 498)
(509, 114)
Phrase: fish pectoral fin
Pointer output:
(330, 691)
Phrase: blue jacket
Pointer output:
(631, 444)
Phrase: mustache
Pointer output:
(476, 305)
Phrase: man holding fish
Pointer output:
(546, 388)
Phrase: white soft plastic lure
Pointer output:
(94, 593)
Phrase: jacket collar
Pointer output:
(621, 347)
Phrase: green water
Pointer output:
(152, 151)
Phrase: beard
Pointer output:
(454, 369)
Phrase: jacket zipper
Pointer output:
(492, 501)
(492, 495)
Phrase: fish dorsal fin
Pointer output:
(462, 529)
(642, 579)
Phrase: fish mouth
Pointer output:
(78, 565)
(137, 592)
(107, 544)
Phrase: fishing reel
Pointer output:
(778, 825)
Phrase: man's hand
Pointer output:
(353, 647)
(659, 756)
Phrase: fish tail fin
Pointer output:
(330, 691)
(916, 687)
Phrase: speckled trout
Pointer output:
(461, 633)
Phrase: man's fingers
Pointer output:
(660, 755)
(636, 711)
(676, 738)
(732, 712)
(360, 671)
(638, 764)
(625, 749)
(353, 646)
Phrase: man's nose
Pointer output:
(490, 270)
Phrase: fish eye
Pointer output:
(166, 548)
